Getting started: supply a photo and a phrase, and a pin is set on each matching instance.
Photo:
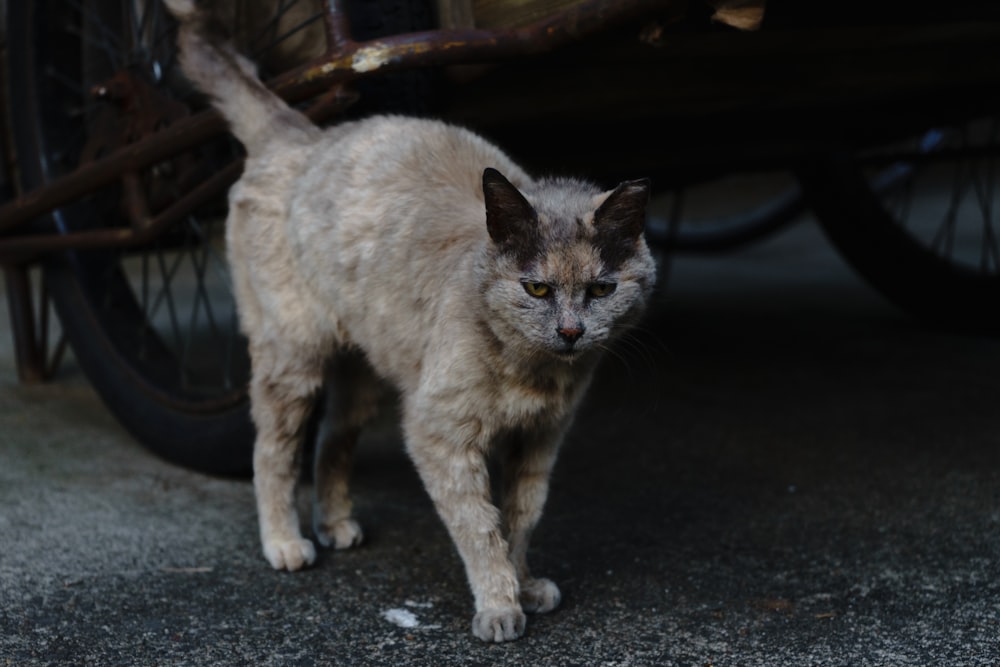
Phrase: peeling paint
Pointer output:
(371, 58)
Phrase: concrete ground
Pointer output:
(780, 469)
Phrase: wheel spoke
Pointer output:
(128, 12)
(944, 239)
(166, 296)
(201, 294)
(144, 305)
(272, 25)
(280, 38)
(73, 86)
(906, 197)
(990, 256)
(109, 52)
(110, 37)
(142, 20)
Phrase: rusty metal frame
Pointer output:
(324, 80)
(345, 61)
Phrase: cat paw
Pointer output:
(499, 625)
(290, 555)
(341, 534)
(539, 596)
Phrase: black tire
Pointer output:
(128, 363)
(910, 266)
(189, 407)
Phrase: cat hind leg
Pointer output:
(282, 390)
(350, 401)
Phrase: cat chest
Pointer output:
(531, 399)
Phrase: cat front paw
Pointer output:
(341, 534)
(539, 596)
(290, 555)
(499, 625)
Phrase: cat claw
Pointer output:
(499, 625)
(290, 555)
(343, 534)
(539, 596)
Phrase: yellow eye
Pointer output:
(601, 289)
(538, 290)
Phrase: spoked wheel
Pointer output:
(154, 328)
(928, 239)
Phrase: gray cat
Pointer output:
(416, 252)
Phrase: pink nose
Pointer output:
(570, 334)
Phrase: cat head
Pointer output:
(567, 266)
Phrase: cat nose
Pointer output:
(570, 334)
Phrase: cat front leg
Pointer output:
(281, 395)
(452, 463)
(527, 467)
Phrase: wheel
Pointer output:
(154, 329)
(917, 220)
(695, 218)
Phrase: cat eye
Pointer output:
(539, 290)
(601, 289)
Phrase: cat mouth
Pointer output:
(568, 353)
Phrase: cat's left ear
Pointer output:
(511, 221)
(620, 219)
(624, 208)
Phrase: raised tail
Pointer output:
(256, 116)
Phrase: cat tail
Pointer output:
(256, 116)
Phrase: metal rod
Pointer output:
(134, 199)
(449, 47)
(30, 365)
(357, 60)
(145, 228)
(166, 143)
(25, 248)
(338, 33)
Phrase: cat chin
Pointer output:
(568, 356)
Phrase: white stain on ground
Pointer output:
(405, 618)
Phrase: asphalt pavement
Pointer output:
(778, 469)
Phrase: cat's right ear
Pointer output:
(510, 220)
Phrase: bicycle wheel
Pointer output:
(153, 329)
(929, 243)
(695, 218)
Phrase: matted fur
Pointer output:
(408, 250)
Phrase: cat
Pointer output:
(415, 252)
